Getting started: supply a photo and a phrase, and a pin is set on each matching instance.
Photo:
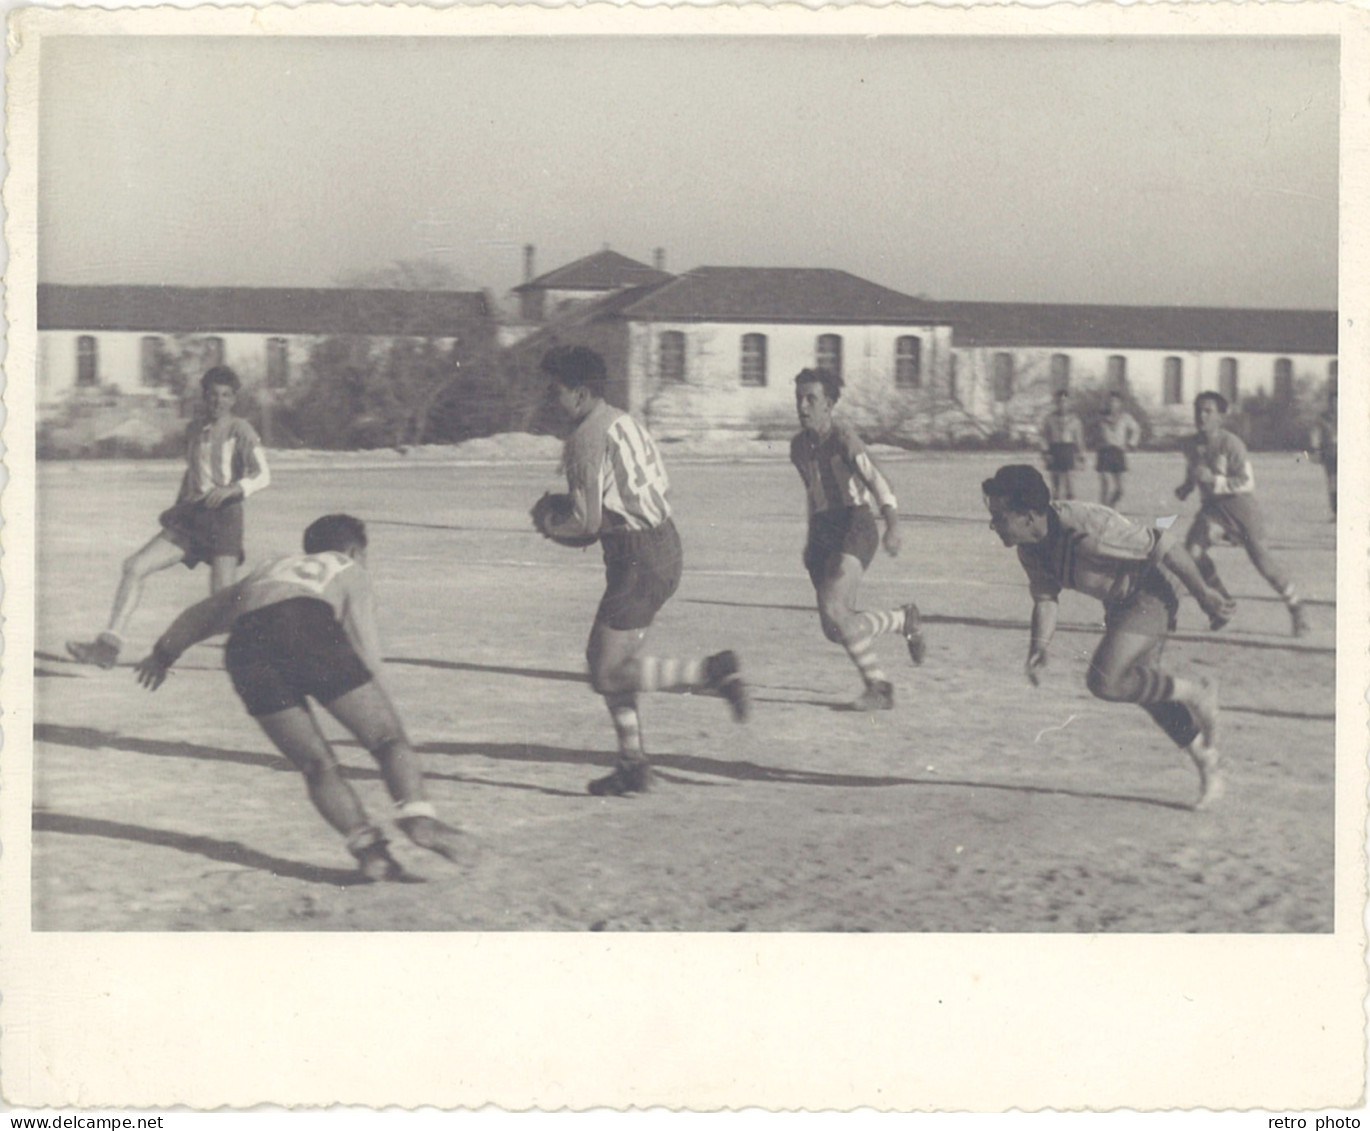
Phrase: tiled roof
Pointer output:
(603, 271)
(1140, 327)
(263, 310)
(777, 294)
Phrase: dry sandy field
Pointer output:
(979, 804)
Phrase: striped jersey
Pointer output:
(615, 475)
(1058, 429)
(1225, 456)
(838, 471)
(1092, 549)
(220, 453)
(1123, 433)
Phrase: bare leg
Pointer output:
(296, 734)
(159, 554)
(843, 624)
(223, 572)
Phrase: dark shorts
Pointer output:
(1329, 460)
(278, 655)
(1150, 609)
(205, 534)
(641, 571)
(848, 530)
(1238, 515)
(1061, 457)
(1111, 460)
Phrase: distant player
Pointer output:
(1324, 443)
(1063, 446)
(1119, 433)
(617, 492)
(225, 463)
(1095, 550)
(303, 627)
(841, 482)
(1218, 466)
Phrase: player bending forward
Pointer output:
(618, 489)
(1217, 464)
(304, 627)
(841, 480)
(225, 464)
(1095, 550)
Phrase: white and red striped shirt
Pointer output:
(220, 453)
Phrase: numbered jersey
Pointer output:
(611, 456)
(329, 576)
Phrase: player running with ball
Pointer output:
(617, 495)
(841, 481)
(304, 626)
(1095, 550)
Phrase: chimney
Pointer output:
(659, 258)
(528, 252)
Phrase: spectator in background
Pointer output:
(1119, 433)
(1063, 445)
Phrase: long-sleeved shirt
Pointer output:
(1058, 429)
(1123, 433)
(838, 471)
(1092, 549)
(1225, 456)
(615, 475)
(329, 576)
(220, 453)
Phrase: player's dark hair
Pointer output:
(576, 367)
(831, 382)
(1021, 486)
(220, 375)
(1219, 401)
(338, 532)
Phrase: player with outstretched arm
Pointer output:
(1095, 550)
(617, 488)
(303, 627)
(841, 481)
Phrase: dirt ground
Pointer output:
(978, 804)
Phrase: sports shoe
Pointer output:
(913, 634)
(103, 651)
(439, 837)
(1209, 763)
(723, 673)
(878, 696)
(1299, 619)
(628, 777)
(374, 861)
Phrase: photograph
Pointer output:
(500, 482)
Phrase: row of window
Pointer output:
(154, 358)
(1172, 386)
(752, 366)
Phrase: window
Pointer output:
(277, 363)
(1174, 380)
(828, 355)
(1117, 372)
(908, 362)
(671, 345)
(1060, 373)
(952, 390)
(754, 359)
(150, 360)
(214, 352)
(1227, 380)
(87, 361)
(1284, 379)
(1003, 376)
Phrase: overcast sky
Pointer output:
(1176, 171)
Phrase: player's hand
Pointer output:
(151, 671)
(1182, 491)
(1036, 664)
(892, 541)
(221, 495)
(1204, 477)
(1218, 606)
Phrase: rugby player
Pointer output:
(303, 627)
(1217, 464)
(1119, 433)
(1095, 550)
(225, 463)
(1324, 443)
(618, 487)
(1063, 444)
(841, 481)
